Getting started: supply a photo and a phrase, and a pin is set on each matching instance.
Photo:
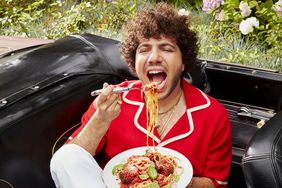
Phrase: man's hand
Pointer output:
(107, 109)
(108, 104)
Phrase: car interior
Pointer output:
(46, 89)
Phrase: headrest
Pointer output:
(262, 162)
(197, 76)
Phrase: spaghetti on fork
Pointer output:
(151, 101)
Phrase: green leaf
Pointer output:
(253, 4)
(143, 176)
(267, 4)
(152, 172)
(117, 168)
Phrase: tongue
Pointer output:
(158, 78)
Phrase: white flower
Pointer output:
(247, 26)
(277, 7)
(245, 9)
(183, 12)
(88, 4)
(220, 16)
(253, 21)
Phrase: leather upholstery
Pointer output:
(262, 162)
(44, 92)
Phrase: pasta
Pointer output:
(149, 170)
(151, 100)
(152, 169)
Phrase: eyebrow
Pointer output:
(162, 44)
(168, 44)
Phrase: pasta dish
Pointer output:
(150, 170)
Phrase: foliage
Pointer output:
(220, 34)
(257, 21)
(100, 16)
(233, 47)
(58, 19)
(23, 18)
(194, 4)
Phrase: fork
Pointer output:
(115, 90)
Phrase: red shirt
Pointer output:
(202, 134)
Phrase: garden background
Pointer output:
(248, 32)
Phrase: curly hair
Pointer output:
(161, 20)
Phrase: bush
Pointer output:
(26, 19)
(101, 16)
(255, 20)
(61, 18)
(243, 32)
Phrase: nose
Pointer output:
(155, 57)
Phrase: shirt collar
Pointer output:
(195, 100)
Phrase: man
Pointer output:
(159, 46)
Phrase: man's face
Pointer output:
(160, 61)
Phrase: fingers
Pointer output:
(116, 105)
(108, 102)
(107, 89)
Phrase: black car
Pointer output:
(44, 90)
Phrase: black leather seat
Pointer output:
(262, 162)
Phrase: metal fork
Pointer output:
(115, 90)
(255, 113)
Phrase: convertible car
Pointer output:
(45, 89)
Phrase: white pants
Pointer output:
(73, 167)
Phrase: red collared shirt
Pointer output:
(202, 134)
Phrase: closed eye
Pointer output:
(143, 49)
(167, 48)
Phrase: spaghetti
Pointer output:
(152, 169)
(151, 100)
(149, 170)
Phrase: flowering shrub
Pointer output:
(245, 9)
(247, 26)
(58, 18)
(278, 8)
(254, 20)
(210, 5)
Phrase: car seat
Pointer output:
(262, 161)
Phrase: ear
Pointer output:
(182, 67)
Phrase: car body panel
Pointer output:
(46, 89)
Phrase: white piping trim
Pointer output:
(190, 119)
(136, 117)
(222, 182)
(189, 115)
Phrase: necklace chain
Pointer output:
(163, 128)
(172, 107)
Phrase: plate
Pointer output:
(111, 181)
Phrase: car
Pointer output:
(45, 89)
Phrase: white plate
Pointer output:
(111, 181)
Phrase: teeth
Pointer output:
(155, 72)
(161, 85)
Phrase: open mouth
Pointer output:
(157, 76)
